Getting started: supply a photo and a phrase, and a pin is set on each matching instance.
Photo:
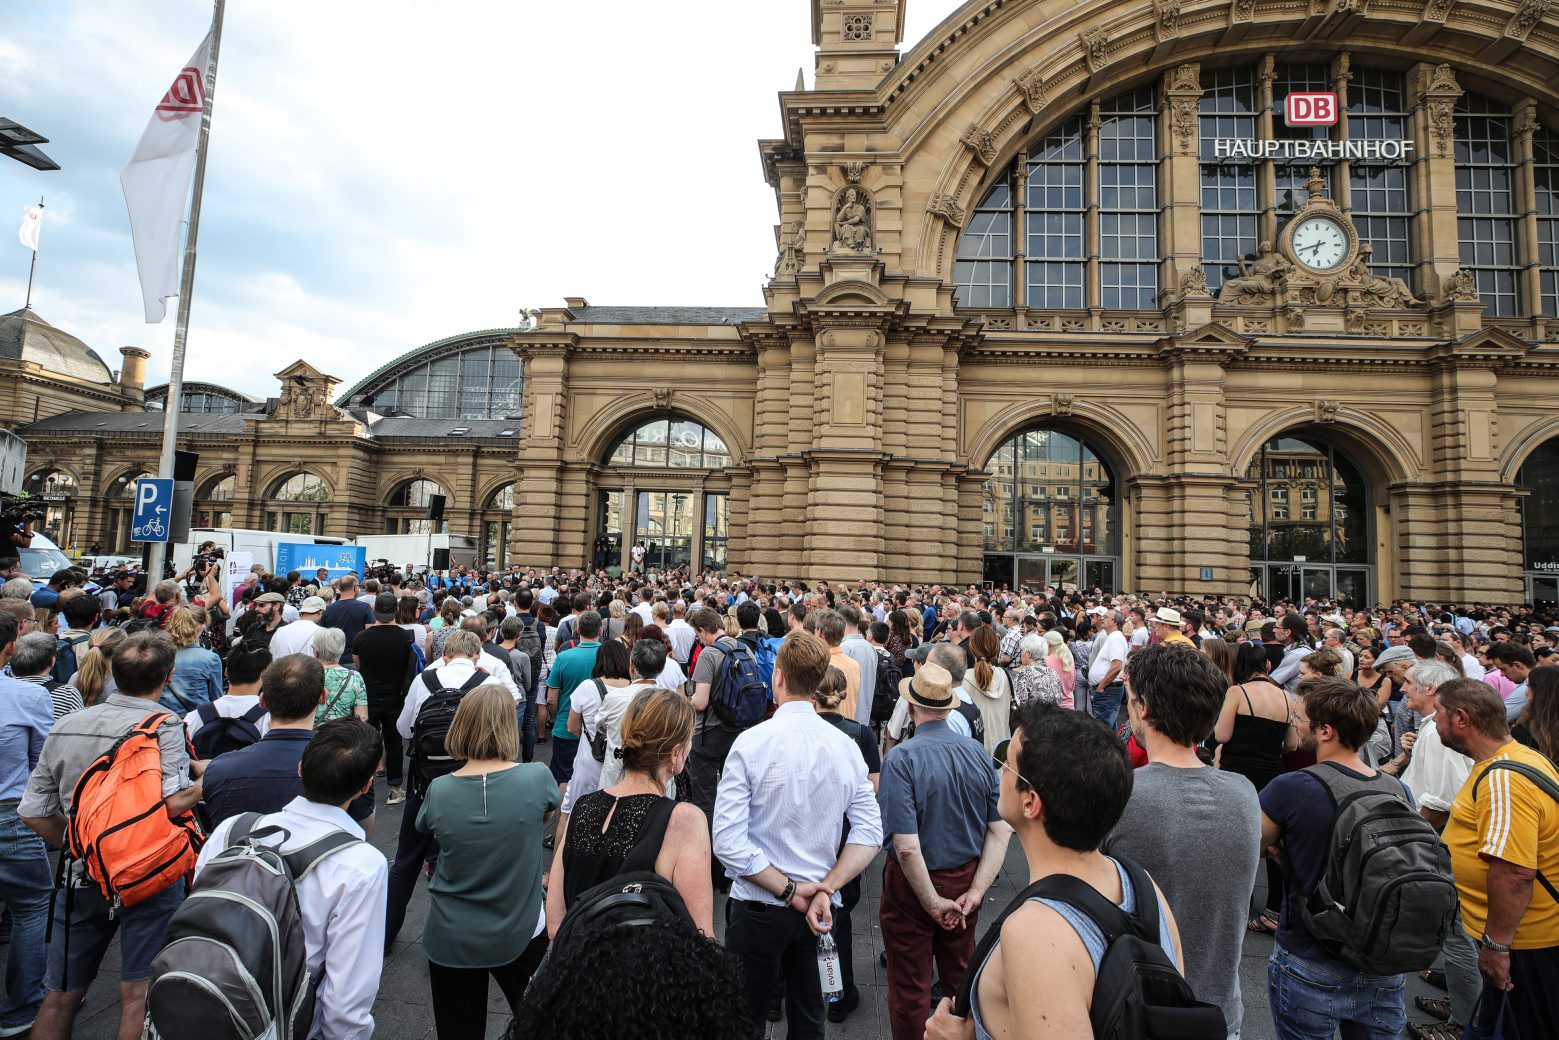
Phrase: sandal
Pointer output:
(1439, 1007)
(1435, 1030)
(1434, 976)
(549, 841)
(1265, 923)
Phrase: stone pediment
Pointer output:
(306, 393)
(1212, 340)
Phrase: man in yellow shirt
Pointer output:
(1166, 624)
(1503, 834)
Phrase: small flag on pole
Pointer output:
(157, 178)
(32, 226)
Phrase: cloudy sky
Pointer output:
(387, 173)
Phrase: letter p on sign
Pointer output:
(1317, 109)
(145, 494)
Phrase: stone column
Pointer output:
(538, 498)
(1435, 92)
(844, 528)
(1181, 190)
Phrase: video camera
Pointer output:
(380, 570)
(204, 559)
(16, 517)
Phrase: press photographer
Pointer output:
(16, 520)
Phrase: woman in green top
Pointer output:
(485, 917)
(345, 694)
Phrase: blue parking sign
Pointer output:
(153, 510)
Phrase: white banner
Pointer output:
(238, 564)
(32, 227)
(156, 182)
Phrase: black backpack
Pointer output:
(1138, 992)
(429, 760)
(740, 698)
(1385, 899)
(635, 895)
(219, 734)
(886, 696)
(529, 644)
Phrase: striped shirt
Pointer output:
(1510, 819)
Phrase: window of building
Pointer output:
(407, 509)
(1054, 206)
(50, 483)
(1230, 212)
(1128, 202)
(479, 382)
(495, 526)
(211, 498)
(1058, 476)
(1315, 536)
(1545, 174)
(983, 269)
(717, 530)
(293, 505)
(1486, 203)
(1378, 110)
(671, 442)
(1540, 509)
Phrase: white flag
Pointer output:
(32, 226)
(156, 182)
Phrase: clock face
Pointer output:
(1320, 243)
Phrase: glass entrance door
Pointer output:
(1297, 582)
(665, 529)
(1542, 588)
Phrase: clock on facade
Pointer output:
(1320, 243)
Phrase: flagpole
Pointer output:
(30, 272)
(158, 551)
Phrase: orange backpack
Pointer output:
(119, 827)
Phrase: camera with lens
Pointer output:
(16, 519)
(206, 557)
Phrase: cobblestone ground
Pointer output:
(404, 1011)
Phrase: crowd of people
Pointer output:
(1373, 787)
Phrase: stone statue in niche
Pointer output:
(1377, 291)
(791, 239)
(852, 222)
(1260, 278)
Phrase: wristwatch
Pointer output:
(790, 890)
(1489, 944)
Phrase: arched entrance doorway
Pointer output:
(1309, 519)
(654, 494)
(1540, 523)
(56, 489)
(1050, 514)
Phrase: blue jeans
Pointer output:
(1106, 703)
(1313, 1000)
(24, 888)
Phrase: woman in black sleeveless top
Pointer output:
(632, 825)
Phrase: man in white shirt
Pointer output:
(298, 637)
(646, 606)
(341, 900)
(1336, 639)
(786, 864)
(855, 646)
(1104, 667)
(680, 633)
(245, 665)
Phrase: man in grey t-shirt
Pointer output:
(1195, 829)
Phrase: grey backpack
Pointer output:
(1386, 898)
(234, 963)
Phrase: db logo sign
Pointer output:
(1318, 109)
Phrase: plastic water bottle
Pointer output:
(828, 968)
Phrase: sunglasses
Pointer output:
(1000, 755)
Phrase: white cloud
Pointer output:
(388, 173)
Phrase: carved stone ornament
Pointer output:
(1032, 86)
(1296, 319)
(853, 171)
(792, 239)
(1326, 410)
(1443, 79)
(1526, 122)
(1354, 321)
(1526, 18)
(1061, 404)
(1373, 290)
(853, 221)
(1186, 77)
(1438, 10)
(1439, 98)
(1259, 281)
(1096, 48)
(1460, 287)
(946, 207)
(1183, 114)
(1242, 10)
(1194, 283)
(981, 142)
(1166, 17)
(1352, 6)
(662, 395)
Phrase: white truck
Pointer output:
(399, 549)
(419, 550)
(261, 545)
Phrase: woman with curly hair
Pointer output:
(634, 816)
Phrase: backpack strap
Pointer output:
(243, 824)
(652, 835)
(207, 713)
(254, 714)
(1542, 782)
(601, 689)
(301, 861)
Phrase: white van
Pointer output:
(260, 544)
(42, 559)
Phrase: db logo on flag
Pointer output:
(1318, 109)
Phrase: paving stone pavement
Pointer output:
(404, 1010)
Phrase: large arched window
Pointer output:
(671, 442)
(213, 501)
(55, 489)
(1540, 521)
(1309, 521)
(1545, 172)
(295, 504)
(1029, 239)
(1049, 514)
(51, 483)
(407, 509)
(479, 380)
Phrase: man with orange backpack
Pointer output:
(125, 868)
